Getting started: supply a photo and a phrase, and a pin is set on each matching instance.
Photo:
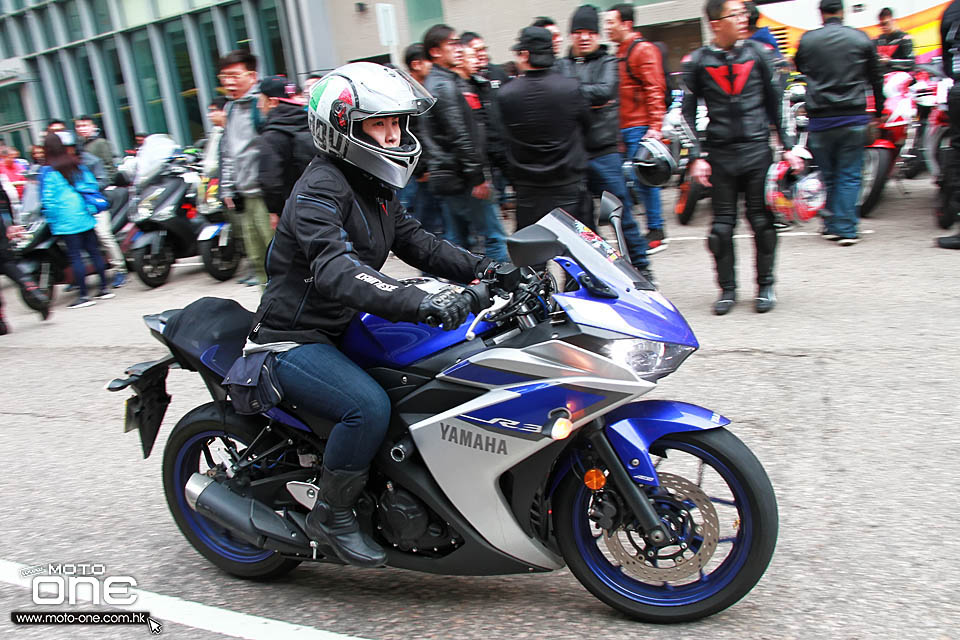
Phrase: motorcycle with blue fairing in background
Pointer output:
(518, 442)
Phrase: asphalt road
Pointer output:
(847, 393)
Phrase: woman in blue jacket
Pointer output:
(64, 182)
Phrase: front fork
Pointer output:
(653, 529)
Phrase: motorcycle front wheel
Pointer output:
(876, 170)
(46, 283)
(153, 268)
(718, 503)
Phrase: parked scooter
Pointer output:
(882, 154)
(43, 257)
(166, 215)
(219, 247)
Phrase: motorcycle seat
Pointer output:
(208, 333)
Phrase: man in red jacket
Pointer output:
(642, 105)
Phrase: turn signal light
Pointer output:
(594, 479)
(561, 428)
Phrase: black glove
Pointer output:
(447, 307)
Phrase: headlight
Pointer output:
(649, 359)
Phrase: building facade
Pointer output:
(150, 65)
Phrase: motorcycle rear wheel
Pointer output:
(46, 283)
(199, 437)
(221, 262)
(723, 511)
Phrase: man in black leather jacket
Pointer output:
(841, 65)
(459, 173)
(598, 73)
(735, 78)
(544, 119)
(950, 45)
(338, 227)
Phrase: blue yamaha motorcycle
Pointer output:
(517, 443)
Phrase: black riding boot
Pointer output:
(332, 521)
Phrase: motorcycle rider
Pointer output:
(598, 73)
(337, 228)
(735, 78)
(894, 47)
(950, 43)
(9, 266)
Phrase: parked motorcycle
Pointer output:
(43, 256)
(517, 442)
(220, 248)
(881, 155)
(166, 216)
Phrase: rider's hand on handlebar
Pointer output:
(447, 307)
(701, 171)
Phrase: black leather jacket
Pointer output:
(741, 92)
(898, 46)
(451, 135)
(599, 75)
(950, 37)
(841, 65)
(337, 229)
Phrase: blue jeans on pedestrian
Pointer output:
(605, 173)
(77, 244)
(650, 195)
(460, 211)
(323, 381)
(839, 154)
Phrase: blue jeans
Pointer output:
(77, 244)
(423, 205)
(651, 195)
(839, 154)
(605, 173)
(463, 210)
(325, 382)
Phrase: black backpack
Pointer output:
(668, 92)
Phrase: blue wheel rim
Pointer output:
(709, 585)
(211, 534)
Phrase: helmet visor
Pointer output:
(398, 93)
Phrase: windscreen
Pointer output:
(153, 155)
(592, 252)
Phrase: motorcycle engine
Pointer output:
(406, 521)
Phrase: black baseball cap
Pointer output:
(280, 87)
(831, 6)
(535, 40)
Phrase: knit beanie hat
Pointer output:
(585, 17)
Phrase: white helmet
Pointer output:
(346, 96)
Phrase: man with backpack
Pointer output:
(286, 144)
(643, 103)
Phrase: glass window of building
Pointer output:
(46, 25)
(20, 23)
(11, 106)
(423, 14)
(208, 46)
(188, 104)
(238, 27)
(43, 110)
(137, 12)
(91, 104)
(59, 87)
(71, 15)
(171, 7)
(149, 83)
(102, 22)
(6, 47)
(275, 61)
(111, 60)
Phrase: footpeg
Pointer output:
(305, 493)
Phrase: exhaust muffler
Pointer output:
(251, 520)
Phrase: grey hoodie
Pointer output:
(239, 150)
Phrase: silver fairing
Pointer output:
(469, 447)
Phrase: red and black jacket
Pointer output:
(740, 90)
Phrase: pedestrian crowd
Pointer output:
(505, 144)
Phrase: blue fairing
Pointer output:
(635, 312)
(632, 428)
(371, 341)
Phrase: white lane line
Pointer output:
(750, 235)
(195, 614)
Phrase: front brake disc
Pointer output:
(645, 562)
